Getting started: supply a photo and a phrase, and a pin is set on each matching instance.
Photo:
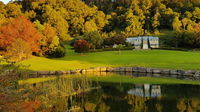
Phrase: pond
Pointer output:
(79, 93)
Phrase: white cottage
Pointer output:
(144, 42)
(154, 42)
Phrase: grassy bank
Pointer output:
(114, 78)
(142, 58)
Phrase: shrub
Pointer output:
(81, 46)
(94, 38)
(116, 39)
(58, 52)
(188, 39)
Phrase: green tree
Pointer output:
(94, 38)
(119, 47)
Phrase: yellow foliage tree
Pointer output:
(18, 51)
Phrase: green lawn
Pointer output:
(141, 58)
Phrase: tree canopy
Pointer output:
(47, 24)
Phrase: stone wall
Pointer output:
(128, 70)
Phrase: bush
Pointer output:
(94, 38)
(81, 46)
(58, 52)
(112, 49)
(188, 39)
(116, 39)
(72, 42)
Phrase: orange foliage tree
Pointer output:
(81, 46)
(22, 28)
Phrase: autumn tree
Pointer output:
(55, 19)
(83, 18)
(185, 23)
(135, 26)
(3, 18)
(196, 14)
(49, 40)
(81, 46)
(22, 28)
(69, 19)
(18, 51)
(176, 24)
(13, 10)
(190, 37)
(156, 22)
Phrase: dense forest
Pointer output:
(44, 27)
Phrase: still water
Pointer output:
(82, 95)
(145, 98)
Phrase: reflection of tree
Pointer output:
(138, 103)
(188, 105)
(64, 94)
(181, 105)
(53, 95)
(95, 101)
(13, 99)
(195, 103)
(159, 107)
(90, 106)
(103, 107)
(61, 93)
(67, 86)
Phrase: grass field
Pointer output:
(141, 58)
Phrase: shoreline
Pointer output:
(126, 70)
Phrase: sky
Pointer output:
(5, 1)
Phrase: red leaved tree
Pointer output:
(22, 28)
(81, 46)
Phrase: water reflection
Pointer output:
(62, 94)
(146, 90)
(148, 98)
